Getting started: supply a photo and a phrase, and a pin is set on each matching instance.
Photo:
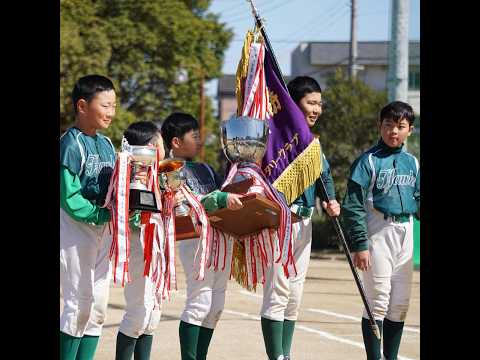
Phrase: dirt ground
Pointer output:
(328, 327)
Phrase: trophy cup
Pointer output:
(171, 178)
(244, 139)
(140, 198)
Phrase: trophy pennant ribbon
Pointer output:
(168, 214)
(117, 201)
(202, 252)
(151, 225)
(267, 247)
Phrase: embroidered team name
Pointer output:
(93, 166)
(387, 178)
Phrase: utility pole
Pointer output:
(352, 64)
(202, 116)
(397, 78)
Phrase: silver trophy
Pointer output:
(244, 139)
(171, 177)
(142, 157)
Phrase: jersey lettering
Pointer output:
(388, 177)
(94, 166)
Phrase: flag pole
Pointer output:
(268, 45)
(336, 223)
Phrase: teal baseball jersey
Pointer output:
(388, 178)
(91, 158)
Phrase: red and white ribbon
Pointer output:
(118, 201)
(200, 259)
(268, 246)
(256, 97)
(169, 273)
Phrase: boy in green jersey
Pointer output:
(86, 164)
(383, 195)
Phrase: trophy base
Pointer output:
(143, 200)
(258, 213)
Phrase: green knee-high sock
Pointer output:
(372, 344)
(392, 334)
(288, 328)
(68, 346)
(272, 336)
(88, 345)
(204, 337)
(188, 340)
(143, 347)
(125, 347)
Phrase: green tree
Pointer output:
(348, 125)
(84, 49)
(148, 46)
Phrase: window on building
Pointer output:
(414, 78)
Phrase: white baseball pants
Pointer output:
(84, 276)
(282, 296)
(388, 282)
(143, 307)
(205, 298)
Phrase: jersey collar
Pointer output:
(389, 149)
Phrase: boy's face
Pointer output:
(394, 133)
(189, 146)
(311, 106)
(99, 112)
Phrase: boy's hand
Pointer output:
(361, 260)
(332, 207)
(233, 201)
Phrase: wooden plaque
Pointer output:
(184, 228)
(240, 187)
(257, 214)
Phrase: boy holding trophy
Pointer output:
(143, 305)
(205, 298)
(86, 163)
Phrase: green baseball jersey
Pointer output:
(389, 178)
(86, 165)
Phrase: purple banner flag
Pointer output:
(289, 137)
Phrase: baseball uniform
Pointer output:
(383, 195)
(282, 296)
(86, 164)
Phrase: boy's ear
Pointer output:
(82, 106)
(175, 143)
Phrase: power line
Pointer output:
(268, 10)
(317, 19)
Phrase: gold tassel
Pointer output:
(301, 172)
(239, 266)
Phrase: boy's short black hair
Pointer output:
(141, 132)
(177, 124)
(301, 86)
(88, 86)
(396, 111)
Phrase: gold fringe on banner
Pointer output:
(301, 172)
(239, 266)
